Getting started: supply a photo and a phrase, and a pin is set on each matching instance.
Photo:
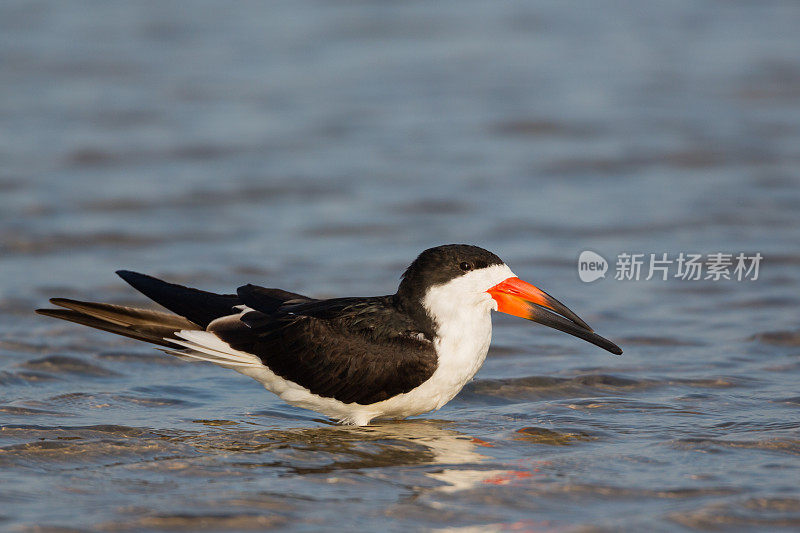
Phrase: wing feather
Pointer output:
(357, 350)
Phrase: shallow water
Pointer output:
(318, 147)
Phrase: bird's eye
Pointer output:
(465, 266)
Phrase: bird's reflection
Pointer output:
(330, 448)
(457, 457)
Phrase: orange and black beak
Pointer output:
(520, 298)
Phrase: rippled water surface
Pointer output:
(319, 147)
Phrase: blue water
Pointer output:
(318, 147)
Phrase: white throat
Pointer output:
(461, 310)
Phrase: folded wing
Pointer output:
(351, 349)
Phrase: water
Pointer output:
(319, 147)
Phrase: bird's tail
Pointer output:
(142, 324)
(177, 335)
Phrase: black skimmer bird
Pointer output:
(351, 359)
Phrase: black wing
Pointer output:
(203, 307)
(358, 350)
(266, 300)
(198, 306)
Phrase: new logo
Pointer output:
(591, 266)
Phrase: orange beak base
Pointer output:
(520, 298)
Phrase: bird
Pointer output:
(352, 359)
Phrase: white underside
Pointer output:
(461, 309)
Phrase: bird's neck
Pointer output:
(444, 308)
(418, 314)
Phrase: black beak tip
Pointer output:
(604, 343)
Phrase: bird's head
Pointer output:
(447, 282)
